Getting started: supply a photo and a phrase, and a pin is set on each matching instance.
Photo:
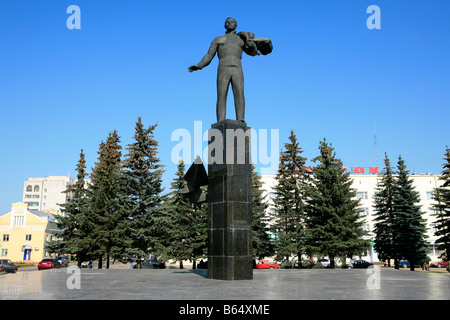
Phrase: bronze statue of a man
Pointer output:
(229, 48)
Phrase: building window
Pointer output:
(36, 188)
(429, 195)
(29, 188)
(5, 237)
(18, 221)
(28, 237)
(433, 228)
(4, 252)
(33, 204)
(364, 212)
(362, 195)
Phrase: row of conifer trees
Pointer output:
(124, 212)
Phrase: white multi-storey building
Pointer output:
(365, 185)
(46, 193)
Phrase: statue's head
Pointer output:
(230, 24)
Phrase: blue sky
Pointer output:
(328, 76)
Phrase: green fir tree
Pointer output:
(442, 209)
(289, 201)
(408, 226)
(383, 204)
(334, 227)
(71, 233)
(262, 244)
(106, 214)
(180, 220)
(141, 188)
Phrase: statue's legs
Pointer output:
(223, 82)
(237, 82)
(225, 76)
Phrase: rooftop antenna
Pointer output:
(375, 136)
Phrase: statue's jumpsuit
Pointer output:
(229, 49)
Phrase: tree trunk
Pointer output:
(81, 258)
(100, 262)
(181, 264)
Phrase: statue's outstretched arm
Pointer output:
(206, 59)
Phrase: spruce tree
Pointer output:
(289, 201)
(71, 233)
(408, 225)
(442, 209)
(180, 220)
(141, 188)
(106, 214)
(199, 230)
(334, 228)
(262, 244)
(383, 204)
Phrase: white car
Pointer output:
(324, 262)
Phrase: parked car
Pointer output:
(406, 264)
(7, 265)
(49, 264)
(360, 264)
(324, 262)
(63, 260)
(267, 264)
(439, 264)
(85, 264)
(153, 263)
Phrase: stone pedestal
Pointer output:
(229, 202)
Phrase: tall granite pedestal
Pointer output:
(229, 202)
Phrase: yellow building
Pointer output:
(23, 233)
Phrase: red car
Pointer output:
(266, 264)
(439, 264)
(49, 264)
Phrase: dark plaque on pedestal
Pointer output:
(229, 202)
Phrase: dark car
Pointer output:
(203, 264)
(49, 264)
(361, 264)
(6, 265)
(153, 263)
(63, 260)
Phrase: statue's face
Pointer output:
(230, 24)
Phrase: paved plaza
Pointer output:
(121, 283)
